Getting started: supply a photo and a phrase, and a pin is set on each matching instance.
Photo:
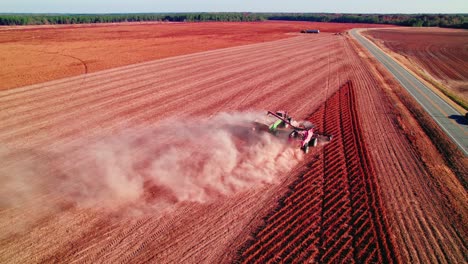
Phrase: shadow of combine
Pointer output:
(462, 120)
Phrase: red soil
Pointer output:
(382, 176)
(333, 212)
(37, 54)
(443, 53)
(412, 191)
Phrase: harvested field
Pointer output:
(84, 175)
(36, 54)
(440, 53)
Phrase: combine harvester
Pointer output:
(302, 132)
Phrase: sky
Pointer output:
(312, 6)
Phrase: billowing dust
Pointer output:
(149, 167)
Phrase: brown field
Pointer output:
(440, 53)
(35, 54)
(156, 162)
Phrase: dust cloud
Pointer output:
(172, 161)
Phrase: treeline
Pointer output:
(33, 19)
(419, 20)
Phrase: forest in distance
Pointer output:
(413, 20)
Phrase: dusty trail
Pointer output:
(298, 74)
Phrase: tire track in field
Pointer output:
(82, 62)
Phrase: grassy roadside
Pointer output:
(456, 99)
(436, 86)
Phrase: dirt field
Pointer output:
(441, 53)
(328, 205)
(32, 55)
(142, 164)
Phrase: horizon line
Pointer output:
(215, 12)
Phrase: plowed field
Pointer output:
(333, 211)
(36, 54)
(442, 53)
(368, 196)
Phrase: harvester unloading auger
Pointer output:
(303, 131)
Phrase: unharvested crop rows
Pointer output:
(332, 212)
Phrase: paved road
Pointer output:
(448, 118)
